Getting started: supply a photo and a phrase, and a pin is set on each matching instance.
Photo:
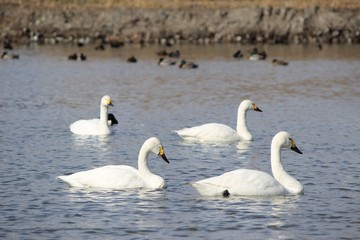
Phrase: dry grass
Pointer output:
(174, 4)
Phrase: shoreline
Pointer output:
(199, 25)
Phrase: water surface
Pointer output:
(315, 98)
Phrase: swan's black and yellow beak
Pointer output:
(162, 155)
(109, 102)
(256, 108)
(294, 147)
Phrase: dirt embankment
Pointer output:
(168, 25)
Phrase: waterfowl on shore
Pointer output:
(216, 132)
(319, 46)
(112, 120)
(166, 62)
(7, 44)
(277, 62)
(82, 57)
(123, 176)
(80, 43)
(100, 47)
(174, 54)
(131, 59)
(162, 53)
(114, 43)
(256, 55)
(247, 182)
(6, 55)
(187, 65)
(238, 54)
(94, 126)
(73, 57)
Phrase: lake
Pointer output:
(315, 98)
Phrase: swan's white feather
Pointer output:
(247, 182)
(244, 182)
(216, 132)
(111, 176)
(94, 126)
(88, 127)
(122, 176)
(209, 132)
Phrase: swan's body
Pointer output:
(94, 126)
(122, 176)
(246, 182)
(216, 132)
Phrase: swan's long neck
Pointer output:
(241, 127)
(288, 182)
(143, 162)
(103, 114)
(153, 180)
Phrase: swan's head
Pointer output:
(106, 101)
(285, 140)
(157, 148)
(249, 105)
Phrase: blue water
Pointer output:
(316, 98)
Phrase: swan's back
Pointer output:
(209, 132)
(88, 127)
(242, 182)
(111, 176)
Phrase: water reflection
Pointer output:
(114, 199)
(287, 204)
(141, 204)
(271, 212)
(104, 195)
(242, 147)
(282, 207)
(279, 204)
(83, 141)
(190, 142)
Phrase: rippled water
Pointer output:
(315, 98)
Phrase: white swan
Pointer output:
(246, 182)
(122, 176)
(94, 126)
(215, 132)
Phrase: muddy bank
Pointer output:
(169, 26)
